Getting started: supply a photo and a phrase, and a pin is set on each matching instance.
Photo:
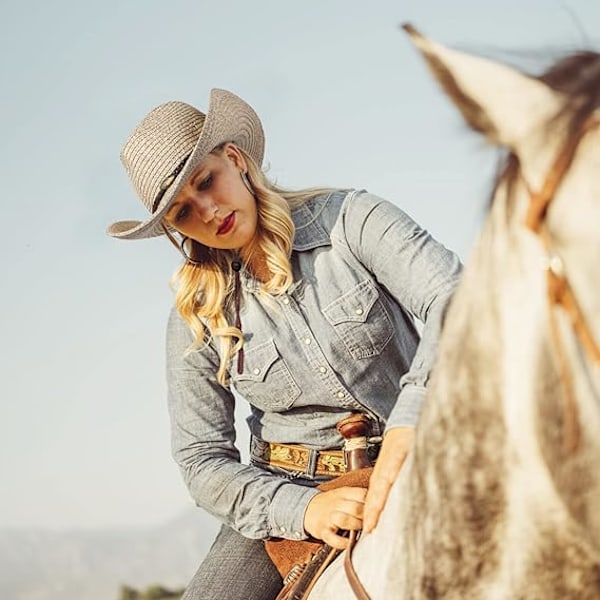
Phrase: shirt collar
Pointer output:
(310, 232)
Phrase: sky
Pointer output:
(344, 100)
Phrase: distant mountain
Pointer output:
(38, 565)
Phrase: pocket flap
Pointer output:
(354, 305)
(258, 361)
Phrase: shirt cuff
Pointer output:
(288, 506)
(408, 408)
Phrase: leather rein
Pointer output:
(559, 291)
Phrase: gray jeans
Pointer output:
(236, 568)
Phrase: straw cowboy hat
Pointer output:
(167, 146)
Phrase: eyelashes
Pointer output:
(184, 210)
(182, 213)
(205, 183)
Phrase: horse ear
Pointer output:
(496, 100)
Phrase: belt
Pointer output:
(299, 459)
(303, 460)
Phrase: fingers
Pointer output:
(345, 519)
(379, 489)
(334, 539)
(395, 447)
(334, 510)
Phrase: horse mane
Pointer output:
(577, 77)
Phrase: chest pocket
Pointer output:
(361, 320)
(266, 381)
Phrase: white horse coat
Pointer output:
(500, 498)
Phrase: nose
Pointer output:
(205, 208)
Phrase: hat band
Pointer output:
(167, 182)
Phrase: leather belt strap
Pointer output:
(299, 459)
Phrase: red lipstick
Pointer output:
(227, 224)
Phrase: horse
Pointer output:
(500, 495)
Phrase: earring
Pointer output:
(203, 252)
(246, 182)
(195, 249)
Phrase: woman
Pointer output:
(302, 302)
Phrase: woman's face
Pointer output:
(214, 207)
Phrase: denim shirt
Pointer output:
(341, 340)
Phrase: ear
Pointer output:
(233, 153)
(496, 100)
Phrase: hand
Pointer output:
(341, 508)
(394, 450)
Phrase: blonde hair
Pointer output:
(204, 293)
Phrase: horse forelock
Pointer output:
(577, 77)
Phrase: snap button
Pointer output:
(323, 369)
(307, 341)
(286, 300)
(282, 530)
(340, 394)
(359, 311)
(256, 371)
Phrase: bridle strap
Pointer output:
(540, 201)
(560, 293)
(559, 290)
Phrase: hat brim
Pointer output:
(228, 119)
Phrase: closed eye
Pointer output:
(205, 183)
(182, 213)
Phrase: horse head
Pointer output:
(500, 497)
(534, 281)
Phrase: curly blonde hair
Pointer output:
(204, 293)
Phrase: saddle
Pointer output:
(301, 562)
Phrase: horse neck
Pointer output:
(486, 464)
(486, 470)
(541, 359)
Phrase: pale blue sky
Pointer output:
(344, 100)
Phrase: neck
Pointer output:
(256, 263)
